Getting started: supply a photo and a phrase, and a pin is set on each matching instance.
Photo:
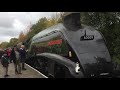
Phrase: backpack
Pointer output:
(4, 60)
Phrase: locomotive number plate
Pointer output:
(87, 37)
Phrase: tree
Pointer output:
(13, 41)
(55, 19)
(4, 45)
(109, 24)
(22, 37)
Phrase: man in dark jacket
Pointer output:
(22, 56)
(12, 55)
(13, 58)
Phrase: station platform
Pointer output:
(28, 73)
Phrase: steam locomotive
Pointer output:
(70, 50)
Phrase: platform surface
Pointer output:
(29, 73)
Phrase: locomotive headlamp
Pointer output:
(77, 68)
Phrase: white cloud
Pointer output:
(18, 25)
(5, 20)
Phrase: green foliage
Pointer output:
(36, 28)
(4, 45)
(109, 24)
(13, 41)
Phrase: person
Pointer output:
(8, 54)
(17, 64)
(23, 56)
(1, 53)
(12, 55)
(13, 58)
(5, 63)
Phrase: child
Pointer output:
(5, 63)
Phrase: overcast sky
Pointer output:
(12, 23)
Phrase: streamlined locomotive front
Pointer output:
(90, 56)
(89, 46)
(91, 50)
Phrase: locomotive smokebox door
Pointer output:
(71, 20)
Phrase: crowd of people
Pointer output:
(15, 55)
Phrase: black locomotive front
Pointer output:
(78, 47)
(90, 48)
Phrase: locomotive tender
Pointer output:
(70, 49)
